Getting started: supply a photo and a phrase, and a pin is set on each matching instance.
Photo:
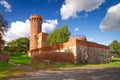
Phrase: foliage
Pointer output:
(3, 28)
(1, 43)
(19, 45)
(59, 35)
(3, 24)
(115, 46)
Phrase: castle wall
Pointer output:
(91, 52)
(92, 55)
(83, 51)
(42, 40)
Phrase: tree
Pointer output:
(58, 36)
(115, 46)
(18, 45)
(1, 43)
(3, 28)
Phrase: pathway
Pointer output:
(110, 73)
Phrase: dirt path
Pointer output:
(111, 73)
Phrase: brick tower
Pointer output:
(35, 29)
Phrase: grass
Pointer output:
(5, 66)
(8, 70)
(20, 59)
(54, 66)
(14, 71)
(114, 63)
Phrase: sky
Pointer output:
(98, 20)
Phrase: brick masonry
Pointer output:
(84, 51)
(4, 57)
(35, 29)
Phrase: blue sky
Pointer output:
(98, 20)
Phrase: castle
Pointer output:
(83, 51)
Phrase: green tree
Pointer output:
(115, 46)
(18, 45)
(59, 35)
(3, 28)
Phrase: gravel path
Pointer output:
(111, 73)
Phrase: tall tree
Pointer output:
(3, 28)
(59, 35)
(115, 46)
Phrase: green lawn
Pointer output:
(4, 66)
(18, 59)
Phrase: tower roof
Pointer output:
(35, 16)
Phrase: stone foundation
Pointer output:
(89, 55)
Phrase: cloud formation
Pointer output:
(111, 21)
(49, 25)
(22, 29)
(6, 5)
(76, 29)
(18, 29)
(71, 7)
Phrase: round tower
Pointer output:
(35, 28)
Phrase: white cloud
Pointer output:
(111, 21)
(6, 5)
(49, 25)
(71, 7)
(18, 29)
(76, 29)
(22, 29)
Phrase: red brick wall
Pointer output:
(4, 57)
(42, 40)
(60, 57)
(72, 42)
(96, 45)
